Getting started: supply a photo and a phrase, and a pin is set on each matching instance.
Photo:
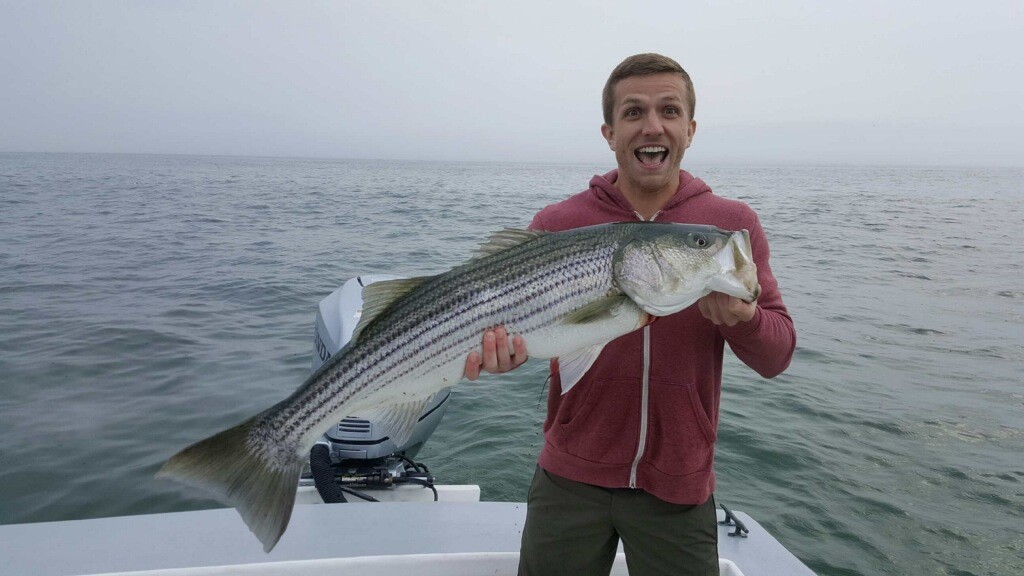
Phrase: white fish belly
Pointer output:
(563, 338)
(552, 341)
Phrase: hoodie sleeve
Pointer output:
(766, 342)
(537, 223)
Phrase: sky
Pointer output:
(840, 82)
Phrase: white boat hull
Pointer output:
(205, 539)
(464, 564)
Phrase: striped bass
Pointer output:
(568, 293)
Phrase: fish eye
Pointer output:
(698, 240)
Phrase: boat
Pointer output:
(363, 504)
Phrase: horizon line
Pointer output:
(804, 163)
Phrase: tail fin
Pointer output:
(226, 465)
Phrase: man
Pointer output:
(628, 453)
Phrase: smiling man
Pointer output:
(628, 453)
(649, 126)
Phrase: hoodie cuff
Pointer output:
(743, 329)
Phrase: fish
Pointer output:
(567, 293)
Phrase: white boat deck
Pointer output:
(320, 539)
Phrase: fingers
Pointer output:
(722, 309)
(705, 308)
(739, 311)
(500, 354)
(472, 371)
(519, 347)
(711, 308)
(504, 355)
(490, 352)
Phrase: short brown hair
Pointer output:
(644, 65)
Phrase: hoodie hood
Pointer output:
(604, 190)
(604, 202)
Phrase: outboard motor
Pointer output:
(356, 451)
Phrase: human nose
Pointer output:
(652, 125)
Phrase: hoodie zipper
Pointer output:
(645, 391)
(643, 408)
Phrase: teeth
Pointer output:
(653, 149)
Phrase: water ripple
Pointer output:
(149, 301)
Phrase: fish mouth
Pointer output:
(739, 273)
(652, 155)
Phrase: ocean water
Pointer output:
(149, 301)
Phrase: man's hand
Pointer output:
(497, 358)
(724, 309)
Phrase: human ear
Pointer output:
(691, 132)
(609, 135)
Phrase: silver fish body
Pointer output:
(565, 292)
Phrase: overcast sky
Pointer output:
(891, 82)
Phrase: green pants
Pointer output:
(574, 528)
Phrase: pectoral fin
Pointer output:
(572, 367)
(597, 311)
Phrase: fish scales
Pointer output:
(564, 269)
(478, 316)
(502, 308)
(531, 283)
(504, 305)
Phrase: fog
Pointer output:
(930, 83)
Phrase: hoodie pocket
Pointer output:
(681, 438)
(603, 424)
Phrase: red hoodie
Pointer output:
(646, 414)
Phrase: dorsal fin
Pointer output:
(505, 239)
(379, 296)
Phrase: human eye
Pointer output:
(671, 111)
(632, 112)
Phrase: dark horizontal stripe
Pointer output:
(445, 303)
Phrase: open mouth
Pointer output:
(651, 155)
(739, 273)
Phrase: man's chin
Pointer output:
(650, 182)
